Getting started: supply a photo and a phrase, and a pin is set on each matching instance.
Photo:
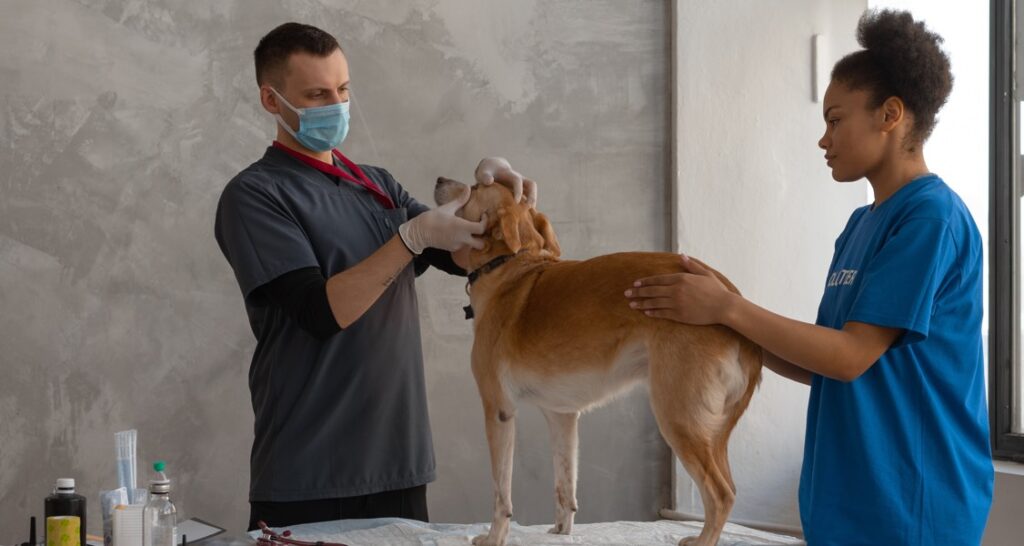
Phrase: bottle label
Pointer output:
(64, 531)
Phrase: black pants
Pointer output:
(408, 503)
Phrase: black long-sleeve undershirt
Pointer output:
(302, 293)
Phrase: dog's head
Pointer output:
(511, 227)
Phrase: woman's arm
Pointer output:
(787, 369)
(838, 354)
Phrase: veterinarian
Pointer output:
(325, 253)
(897, 442)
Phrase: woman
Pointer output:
(897, 445)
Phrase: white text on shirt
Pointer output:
(843, 277)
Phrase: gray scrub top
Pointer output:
(344, 416)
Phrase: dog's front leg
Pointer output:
(499, 419)
(565, 447)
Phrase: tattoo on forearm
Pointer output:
(391, 278)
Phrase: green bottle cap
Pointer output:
(159, 466)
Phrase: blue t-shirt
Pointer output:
(900, 456)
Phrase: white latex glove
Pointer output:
(440, 228)
(498, 169)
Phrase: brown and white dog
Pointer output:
(560, 334)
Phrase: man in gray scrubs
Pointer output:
(325, 253)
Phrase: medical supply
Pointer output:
(197, 529)
(108, 501)
(321, 128)
(64, 531)
(125, 442)
(139, 495)
(159, 526)
(31, 532)
(440, 228)
(272, 538)
(128, 525)
(64, 502)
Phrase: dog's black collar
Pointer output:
(486, 268)
(490, 266)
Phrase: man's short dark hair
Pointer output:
(274, 49)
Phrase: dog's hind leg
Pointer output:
(750, 357)
(715, 489)
(722, 460)
(499, 420)
(564, 446)
(689, 400)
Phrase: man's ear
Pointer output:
(508, 229)
(541, 224)
(269, 100)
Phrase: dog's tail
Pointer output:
(763, 358)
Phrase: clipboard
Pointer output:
(196, 530)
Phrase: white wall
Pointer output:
(755, 199)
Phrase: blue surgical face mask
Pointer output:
(321, 128)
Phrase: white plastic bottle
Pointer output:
(160, 518)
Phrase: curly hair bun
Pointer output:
(902, 58)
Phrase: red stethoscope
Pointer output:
(271, 538)
(360, 178)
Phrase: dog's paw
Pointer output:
(560, 529)
(690, 541)
(487, 540)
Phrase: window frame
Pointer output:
(1004, 234)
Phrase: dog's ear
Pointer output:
(508, 229)
(541, 224)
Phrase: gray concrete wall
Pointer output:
(120, 122)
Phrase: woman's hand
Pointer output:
(695, 296)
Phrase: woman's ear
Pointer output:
(893, 112)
